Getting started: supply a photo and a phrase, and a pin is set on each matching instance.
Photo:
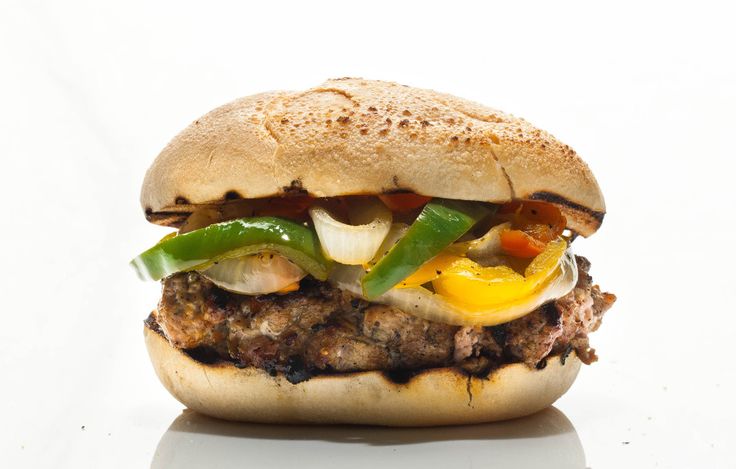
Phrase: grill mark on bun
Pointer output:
(398, 190)
(232, 195)
(400, 376)
(177, 214)
(296, 370)
(150, 322)
(206, 355)
(172, 219)
(559, 200)
(295, 189)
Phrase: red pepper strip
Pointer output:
(403, 202)
(519, 244)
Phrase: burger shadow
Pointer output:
(547, 438)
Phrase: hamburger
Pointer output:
(369, 253)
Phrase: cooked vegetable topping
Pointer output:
(257, 274)
(430, 270)
(519, 244)
(440, 223)
(455, 309)
(292, 208)
(354, 243)
(201, 248)
(534, 224)
(518, 264)
(395, 233)
(465, 281)
(541, 220)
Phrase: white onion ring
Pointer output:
(258, 274)
(352, 244)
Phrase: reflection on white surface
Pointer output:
(546, 439)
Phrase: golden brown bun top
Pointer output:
(354, 136)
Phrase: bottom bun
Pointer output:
(437, 396)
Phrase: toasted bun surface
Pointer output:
(441, 396)
(354, 136)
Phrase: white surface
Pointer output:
(91, 92)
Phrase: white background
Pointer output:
(90, 92)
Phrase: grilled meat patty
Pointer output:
(323, 329)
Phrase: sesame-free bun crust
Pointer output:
(354, 136)
(441, 396)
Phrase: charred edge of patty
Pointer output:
(297, 371)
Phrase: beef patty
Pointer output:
(322, 329)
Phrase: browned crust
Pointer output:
(439, 396)
(354, 136)
(576, 214)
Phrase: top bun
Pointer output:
(354, 136)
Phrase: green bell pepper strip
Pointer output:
(440, 223)
(201, 248)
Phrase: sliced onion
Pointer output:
(485, 250)
(425, 304)
(353, 244)
(395, 233)
(262, 273)
(489, 244)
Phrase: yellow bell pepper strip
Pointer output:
(201, 248)
(440, 223)
(430, 270)
(467, 282)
